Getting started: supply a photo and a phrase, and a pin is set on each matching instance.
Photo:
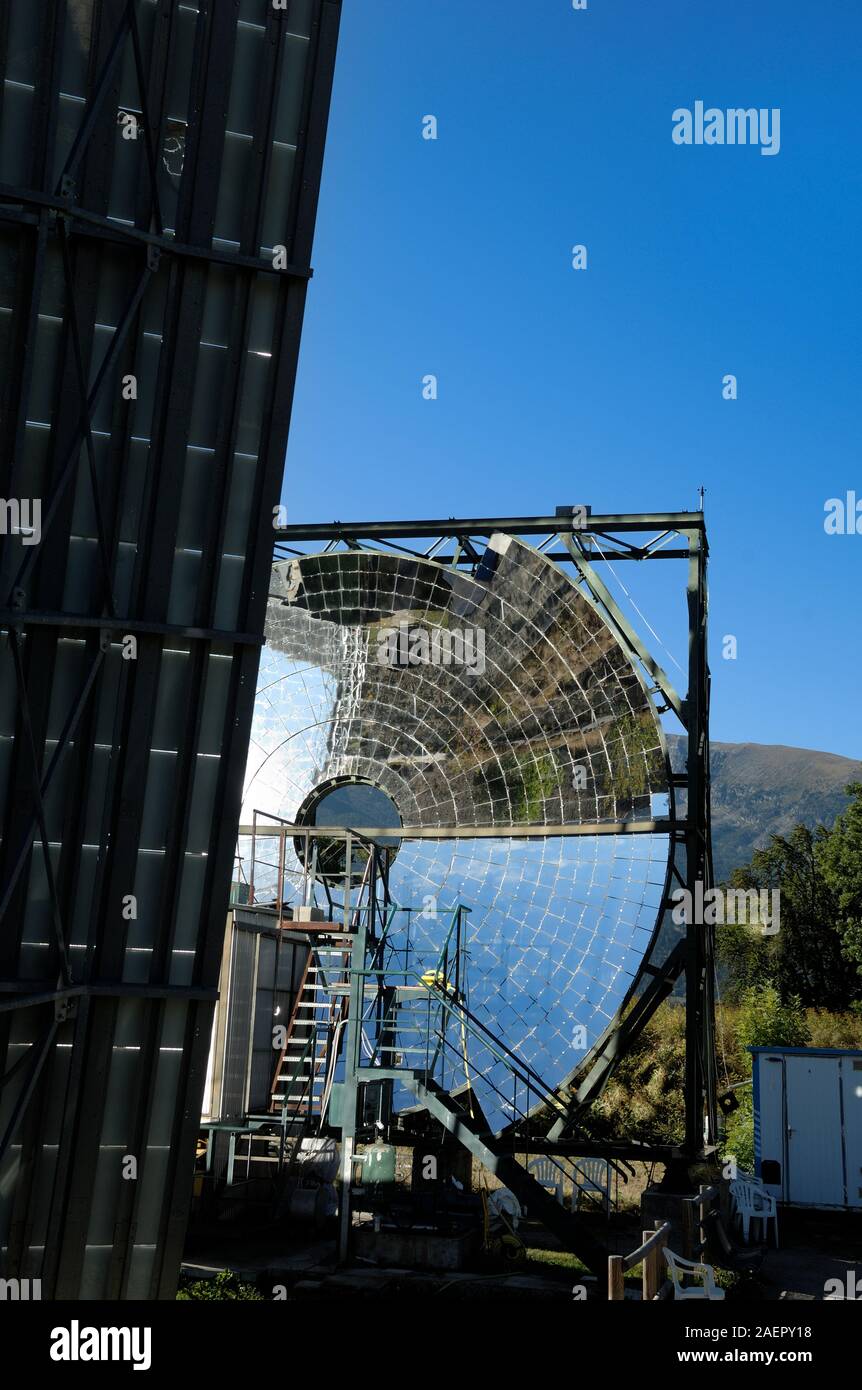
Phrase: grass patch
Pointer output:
(557, 1259)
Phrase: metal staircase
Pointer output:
(303, 1073)
(305, 1068)
(390, 1006)
(435, 1014)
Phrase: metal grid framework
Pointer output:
(523, 781)
(575, 538)
(159, 171)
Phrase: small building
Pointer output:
(808, 1124)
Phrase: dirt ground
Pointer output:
(815, 1247)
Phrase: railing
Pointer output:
(436, 996)
(651, 1255)
(655, 1286)
(285, 878)
(428, 1013)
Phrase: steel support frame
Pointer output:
(577, 538)
(73, 209)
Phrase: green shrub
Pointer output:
(224, 1285)
(834, 1030)
(645, 1096)
(766, 1021)
(739, 1134)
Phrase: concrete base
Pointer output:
(415, 1249)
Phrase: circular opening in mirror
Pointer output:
(345, 803)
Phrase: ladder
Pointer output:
(299, 1091)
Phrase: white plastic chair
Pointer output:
(748, 1177)
(502, 1202)
(752, 1204)
(593, 1175)
(549, 1174)
(680, 1269)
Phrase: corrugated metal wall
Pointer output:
(153, 158)
(260, 975)
(240, 1017)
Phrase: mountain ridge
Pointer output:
(765, 789)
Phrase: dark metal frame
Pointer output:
(575, 537)
(73, 210)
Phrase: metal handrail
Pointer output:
(268, 825)
(309, 1042)
(556, 1163)
(520, 1069)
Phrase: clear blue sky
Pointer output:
(605, 386)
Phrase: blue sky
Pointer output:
(604, 386)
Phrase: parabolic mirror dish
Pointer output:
(521, 711)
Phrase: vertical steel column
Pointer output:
(700, 1114)
(352, 1055)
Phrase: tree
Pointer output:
(767, 1020)
(746, 954)
(839, 857)
(805, 958)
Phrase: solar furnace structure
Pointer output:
(507, 720)
(159, 170)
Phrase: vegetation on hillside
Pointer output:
(760, 790)
(644, 1098)
(817, 954)
(840, 859)
(799, 987)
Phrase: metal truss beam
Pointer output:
(701, 1087)
(600, 524)
(80, 623)
(88, 224)
(487, 832)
